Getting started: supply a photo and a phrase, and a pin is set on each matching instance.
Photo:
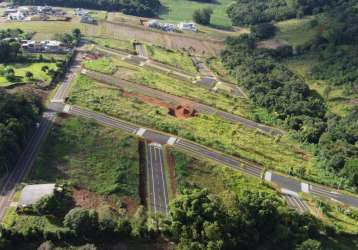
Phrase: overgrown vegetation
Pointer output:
(86, 155)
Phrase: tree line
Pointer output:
(148, 8)
(18, 115)
(248, 12)
(273, 86)
(197, 220)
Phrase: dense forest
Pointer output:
(273, 86)
(248, 12)
(18, 114)
(146, 8)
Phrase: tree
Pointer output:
(82, 221)
(263, 30)
(29, 75)
(44, 68)
(202, 16)
(309, 245)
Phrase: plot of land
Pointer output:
(91, 157)
(20, 73)
(207, 130)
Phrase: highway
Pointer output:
(157, 184)
(288, 185)
(176, 100)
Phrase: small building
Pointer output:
(87, 19)
(17, 16)
(31, 194)
(188, 26)
(80, 12)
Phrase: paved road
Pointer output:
(141, 51)
(158, 192)
(296, 203)
(28, 156)
(24, 163)
(288, 185)
(175, 100)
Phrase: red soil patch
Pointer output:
(148, 99)
(172, 176)
(303, 155)
(90, 200)
(142, 175)
(91, 56)
(183, 111)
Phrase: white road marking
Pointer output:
(151, 166)
(58, 100)
(164, 187)
(66, 108)
(141, 131)
(171, 141)
(289, 192)
(305, 187)
(268, 176)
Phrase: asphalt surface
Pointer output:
(175, 100)
(29, 154)
(158, 192)
(141, 51)
(292, 185)
(296, 203)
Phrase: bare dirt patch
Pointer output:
(90, 200)
(172, 176)
(148, 100)
(182, 111)
(272, 44)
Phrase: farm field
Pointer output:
(88, 156)
(165, 83)
(211, 131)
(21, 69)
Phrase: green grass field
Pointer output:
(207, 130)
(173, 58)
(22, 68)
(296, 31)
(113, 43)
(92, 157)
(182, 10)
(103, 65)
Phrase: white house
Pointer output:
(17, 16)
(188, 26)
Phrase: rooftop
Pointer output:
(33, 193)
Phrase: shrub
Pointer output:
(202, 16)
(82, 221)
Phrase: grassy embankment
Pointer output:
(170, 85)
(173, 58)
(282, 155)
(20, 73)
(126, 46)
